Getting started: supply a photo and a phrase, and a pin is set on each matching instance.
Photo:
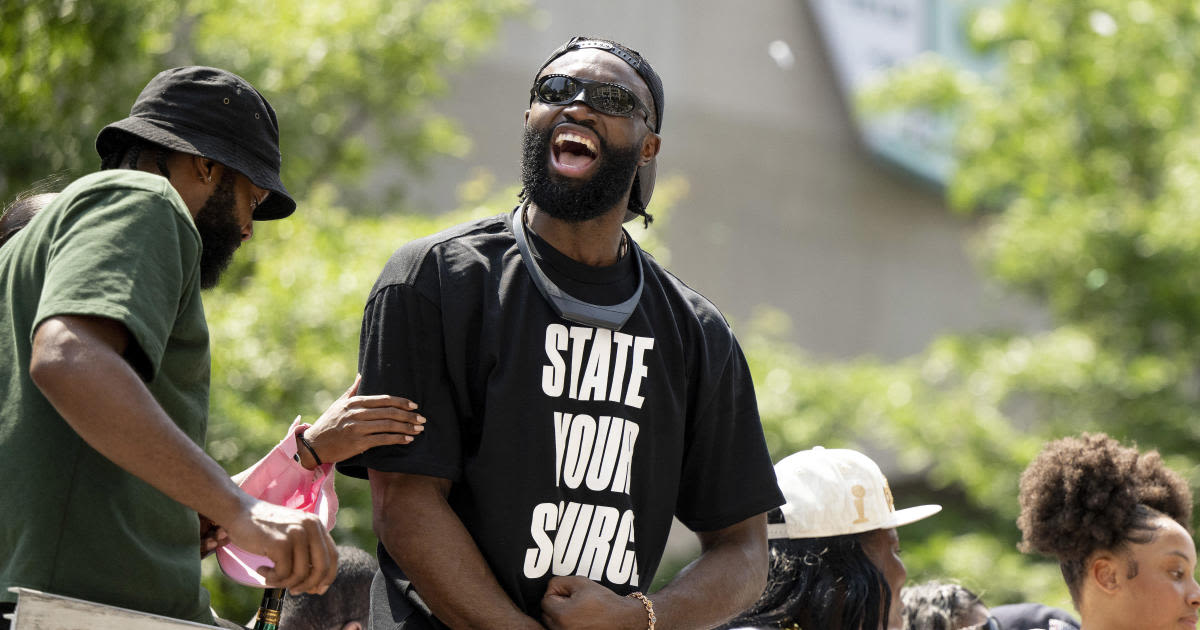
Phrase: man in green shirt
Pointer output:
(104, 360)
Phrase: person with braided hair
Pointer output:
(104, 360)
(834, 550)
(1118, 521)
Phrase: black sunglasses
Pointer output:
(606, 98)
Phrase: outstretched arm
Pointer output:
(78, 364)
(727, 578)
(429, 542)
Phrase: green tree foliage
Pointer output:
(352, 82)
(1080, 156)
(66, 66)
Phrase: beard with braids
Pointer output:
(220, 234)
(567, 199)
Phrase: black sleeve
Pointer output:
(401, 354)
(727, 474)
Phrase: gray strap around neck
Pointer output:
(611, 317)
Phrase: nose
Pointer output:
(577, 109)
(580, 113)
(1193, 594)
(247, 230)
(579, 96)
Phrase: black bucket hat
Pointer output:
(212, 113)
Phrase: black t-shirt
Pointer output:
(570, 447)
(1028, 616)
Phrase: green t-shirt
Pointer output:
(118, 244)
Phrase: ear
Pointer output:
(650, 147)
(205, 169)
(195, 178)
(352, 625)
(1105, 571)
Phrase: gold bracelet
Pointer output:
(649, 608)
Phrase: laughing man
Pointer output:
(579, 395)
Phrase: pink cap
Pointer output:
(280, 479)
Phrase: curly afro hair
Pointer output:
(1088, 493)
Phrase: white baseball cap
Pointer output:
(833, 492)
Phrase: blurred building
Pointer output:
(786, 206)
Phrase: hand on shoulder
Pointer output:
(354, 423)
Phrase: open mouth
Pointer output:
(573, 152)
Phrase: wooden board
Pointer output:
(43, 611)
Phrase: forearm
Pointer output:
(429, 542)
(727, 578)
(107, 405)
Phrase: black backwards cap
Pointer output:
(643, 182)
(212, 113)
(628, 55)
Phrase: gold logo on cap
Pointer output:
(859, 492)
(887, 493)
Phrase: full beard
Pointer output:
(220, 234)
(570, 199)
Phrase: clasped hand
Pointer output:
(577, 603)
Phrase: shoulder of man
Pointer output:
(154, 189)
(407, 261)
(1030, 615)
(123, 179)
(698, 307)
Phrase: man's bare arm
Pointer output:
(429, 542)
(78, 365)
(727, 578)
